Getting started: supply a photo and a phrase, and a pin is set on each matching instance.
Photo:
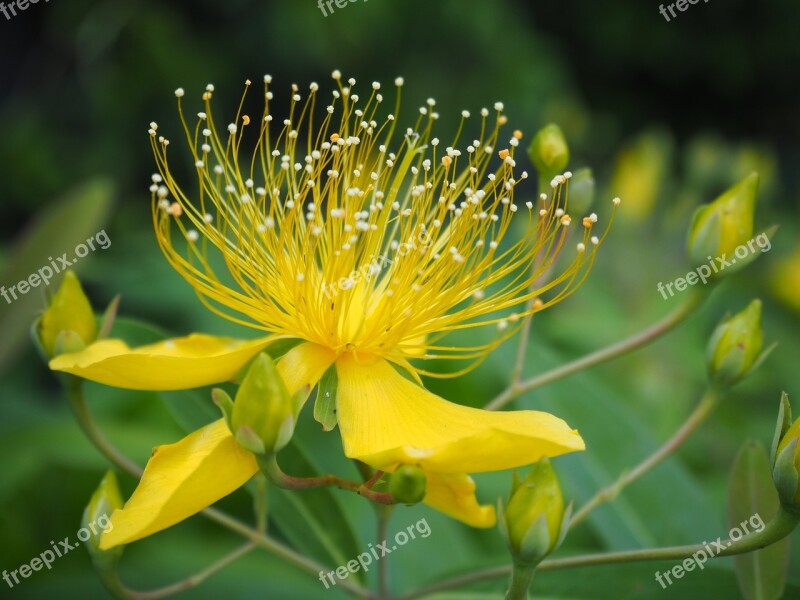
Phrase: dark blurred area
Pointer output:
(82, 79)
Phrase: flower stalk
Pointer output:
(704, 409)
(269, 466)
(637, 340)
(783, 524)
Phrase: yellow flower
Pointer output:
(370, 245)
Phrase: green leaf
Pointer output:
(312, 520)
(59, 229)
(752, 497)
(325, 403)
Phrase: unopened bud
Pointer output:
(97, 521)
(407, 484)
(786, 458)
(535, 521)
(735, 346)
(549, 152)
(263, 416)
(718, 228)
(68, 324)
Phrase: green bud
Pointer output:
(68, 325)
(735, 346)
(407, 484)
(549, 152)
(718, 228)
(535, 521)
(581, 191)
(97, 519)
(263, 415)
(786, 471)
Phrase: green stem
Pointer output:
(189, 582)
(77, 401)
(384, 513)
(260, 503)
(778, 528)
(266, 543)
(703, 410)
(633, 342)
(520, 583)
(269, 466)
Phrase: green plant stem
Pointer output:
(189, 582)
(260, 503)
(269, 466)
(520, 582)
(702, 411)
(675, 318)
(77, 401)
(266, 543)
(384, 513)
(778, 528)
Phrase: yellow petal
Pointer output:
(387, 420)
(454, 495)
(180, 480)
(304, 365)
(182, 363)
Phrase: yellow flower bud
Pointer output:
(68, 325)
(639, 174)
(549, 152)
(407, 484)
(97, 520)
(735, 346)
(534, 521)
(263, 414)
(718, 228)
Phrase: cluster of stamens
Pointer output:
(357, 237)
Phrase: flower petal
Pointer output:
(304, 365)
(180, 480)
(188, 362)
(387, 420)
(454, 495)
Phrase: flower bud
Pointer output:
(535, 520)
(68, 325)
(786, 472)
(581, 191)
(549, 152)
(639, 174)
(718, 228)
(407, 484)
(97, 520)
(263, 415)
(735, 346)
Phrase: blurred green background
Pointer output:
(667, 114)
